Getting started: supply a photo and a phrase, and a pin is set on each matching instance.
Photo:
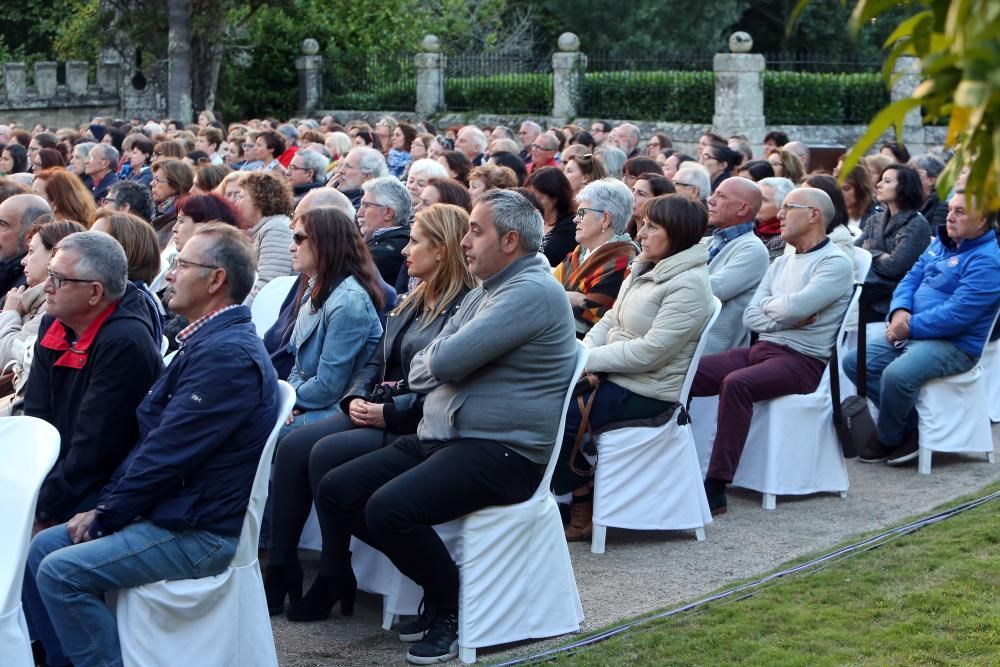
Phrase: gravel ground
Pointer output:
(644, 571)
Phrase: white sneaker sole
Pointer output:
(433, 660)
(415, 637)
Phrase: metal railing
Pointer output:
(377, 81)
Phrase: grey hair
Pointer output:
(550, 140)
(109, 153)
(820, 200)
(613, 196)
(505, 131)
(696, 177)
(314, 160)
(371, 162)
(512, 212)
(83, 149)
(429, 168)
(477, 136)
(101, 258)
(613, 159)
(533, 126)
(289, 131)
(389, 191)
(323, 197)
(230, 251)
(136, 195)
(781, 186)
(632, 130)
(928, 163)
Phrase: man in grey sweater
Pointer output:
(797, 310)
(495, 380)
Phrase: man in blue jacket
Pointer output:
(939, 320)
(174, 508)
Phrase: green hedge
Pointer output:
(809, 98)
(500, 94)
(680, 97)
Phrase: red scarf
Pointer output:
(767, 228)
(74, 356)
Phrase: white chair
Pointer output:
(953, 413)
(267, 304)
(792, 447)
(29, 448)
(991, 368)
(220, 620)
(516, 577)
(849, 337)
(649, 478)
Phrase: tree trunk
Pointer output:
(206, 61)
(179, 60)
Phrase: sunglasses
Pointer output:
(299, 238)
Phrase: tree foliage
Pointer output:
(958, 44)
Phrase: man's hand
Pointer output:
(899, 326)
(576, 299)
(363, 413)
(79, 526)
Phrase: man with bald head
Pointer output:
(737, 259)
(326, 196)
(17, 215)
(797, 310)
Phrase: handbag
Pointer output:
(851, 418)
(588, 383)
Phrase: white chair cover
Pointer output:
(650, 478)
(792, 447)
(704, 415)
(991, 370)
(849, 336)
(953, 412)
(220, 620)
(267, 304)
(516, 577)
(29, 448)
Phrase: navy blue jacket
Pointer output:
(202, 428)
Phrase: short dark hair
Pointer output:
(19, 154)
(275, 141)
(724, 153)
(897, 149)
(759, 169)
(513, 162)
(210, 208)
(779, 138)
(640, 165)
(452, 192)
(605, 125)
(145, 146)
(136, 195)
(212, 135)
(584, 138)
(685, 221)
(550, 181)
(459, 164)
(909, 188)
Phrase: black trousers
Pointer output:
(392, 497)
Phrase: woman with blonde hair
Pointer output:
(230, 187)
(169, 150)
(69, 197)
(787, 164)
(582, 169)
(377, 409)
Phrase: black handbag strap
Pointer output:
(838, 416)
(862, 384)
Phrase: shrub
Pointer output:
(810, 98)
(683, 97)
(500, 94)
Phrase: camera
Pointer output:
(384, 392)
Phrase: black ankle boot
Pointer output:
(325, 592)
(281, 581)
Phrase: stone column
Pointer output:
(430, 76)
(77, 72)
(109, 76)
(45, 78)
(739, 91)
(15, 81)
(568, 67)
(310, 68)
(906, 78)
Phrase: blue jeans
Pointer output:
(72, 579)
(896, 375)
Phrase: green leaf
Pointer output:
(894, 114)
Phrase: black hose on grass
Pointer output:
(817, 563)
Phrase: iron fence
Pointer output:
(498, 83)
(370, 81)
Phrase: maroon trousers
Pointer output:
(742, 377)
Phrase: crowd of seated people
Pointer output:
(441, 279)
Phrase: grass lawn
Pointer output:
(929, 598)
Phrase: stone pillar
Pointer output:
(15, 81)
(739, 91)
(430, 76)
(77, 72)
(45, 79)
(109, 76)
(906, 78)
(310, 69)
(568, 67)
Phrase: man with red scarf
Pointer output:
(95, 359)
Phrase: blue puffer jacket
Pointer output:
(953, 293)
(202, 428)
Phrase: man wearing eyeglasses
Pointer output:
(175, 506)
(306, 171)
(543, 152)
(17, 215)
(797, 310)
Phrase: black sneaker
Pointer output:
(875, 452)
(715, 493)
(909, 451)
(440, 644)
(414, 631)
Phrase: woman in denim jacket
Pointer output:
(337, 328)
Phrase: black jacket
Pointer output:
(403, 413)
(94, 406)
(11, 274)
(560, 241)
(935, 211)
(386, 249)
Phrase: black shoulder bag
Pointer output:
(852, 418)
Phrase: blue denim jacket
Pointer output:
(332, 344)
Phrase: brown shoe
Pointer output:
(580, 521)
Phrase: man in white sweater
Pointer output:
(797, 310)
(737, 259)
